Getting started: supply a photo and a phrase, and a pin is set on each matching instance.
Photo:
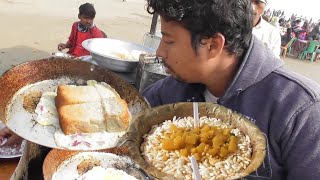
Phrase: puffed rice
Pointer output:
(180, 166)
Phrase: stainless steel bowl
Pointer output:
(104, 51)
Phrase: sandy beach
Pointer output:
(31, 30)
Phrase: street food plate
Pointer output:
(140, 129)
(26, 80)
(73, 164)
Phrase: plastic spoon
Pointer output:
(195, 168)
(196, 114)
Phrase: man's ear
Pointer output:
(79, 16)
(215, 44)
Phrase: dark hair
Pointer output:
(87, 9)
(204, 18)
(315, 37)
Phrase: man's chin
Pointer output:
(178, 78)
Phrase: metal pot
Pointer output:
(104, 51)
(149, 71)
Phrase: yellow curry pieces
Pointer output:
(203, 142)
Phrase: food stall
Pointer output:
(45, 155)
(87, 118)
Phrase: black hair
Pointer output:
(281, 20)
(298, 21)
(315, 37)
(205, 18)
(87, 9)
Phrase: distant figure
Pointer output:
(81, 31)
(315, 32)
(268, 34)
(297, 27)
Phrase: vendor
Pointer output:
(212, 56)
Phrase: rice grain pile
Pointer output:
(180, 166)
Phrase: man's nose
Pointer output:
(253, 6)
(89, 21)
(160, 51)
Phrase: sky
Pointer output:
(308, 8)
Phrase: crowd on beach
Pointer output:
(301, 31)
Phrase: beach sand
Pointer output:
(32, 29)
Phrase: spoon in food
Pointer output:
(196, 114)
(195, 168)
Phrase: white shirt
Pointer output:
(209, 97)
(269, 35)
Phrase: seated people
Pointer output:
(81, 31)
(315, 32)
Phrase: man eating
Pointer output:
(212, 56)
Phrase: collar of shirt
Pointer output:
(260, 24)
(83, 28)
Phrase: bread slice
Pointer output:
(89, 109)
(106, 91)
(82, 118)
(67, 95)
(116, 113)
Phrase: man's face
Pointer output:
(180, 59)
(86, 20)
(258, 9)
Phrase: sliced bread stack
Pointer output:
(90, 109)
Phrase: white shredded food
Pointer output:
(180, 166)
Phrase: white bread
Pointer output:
(106, 91)
(116, 113)
(81, 118)
(89, 109)
(67, 95)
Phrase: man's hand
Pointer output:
(12, 138)
(62, 46)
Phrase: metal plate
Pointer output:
(4, 149)
(103, 52)
(51, 73)
(10, 156)
(65, 162)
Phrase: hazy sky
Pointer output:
(309, 8)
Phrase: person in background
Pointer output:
(303, 35)
(268, 34)
(315, 31)
(267, 15)
(212, 56)
(286, 37)
(282, 22)
(297, 28)
(81, 31)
